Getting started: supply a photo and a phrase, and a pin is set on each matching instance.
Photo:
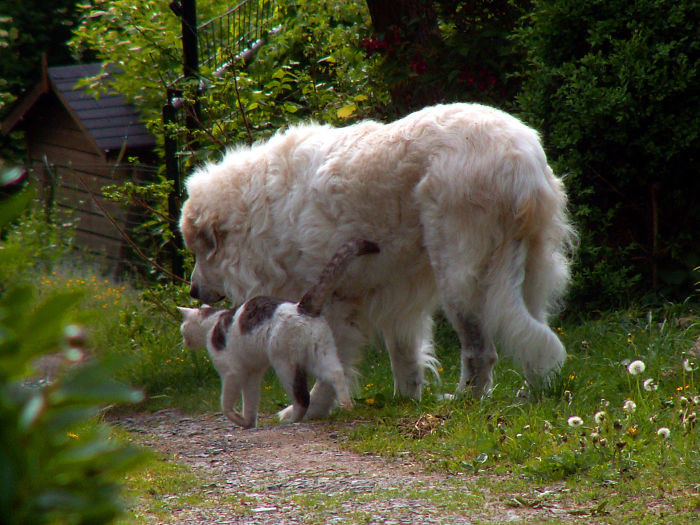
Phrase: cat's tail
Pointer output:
(313, 300)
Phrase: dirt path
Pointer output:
(299, 474)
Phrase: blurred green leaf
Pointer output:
(13, 206)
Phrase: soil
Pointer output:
(288, 473)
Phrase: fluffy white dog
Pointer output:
(460, 200)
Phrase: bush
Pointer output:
(57, 463)
(613, 86)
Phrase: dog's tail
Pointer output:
(528, 281)
(313, 300)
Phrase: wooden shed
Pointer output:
(77, 144)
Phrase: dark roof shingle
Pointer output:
(109, 119)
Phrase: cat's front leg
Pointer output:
(251, 399)
(230, 394)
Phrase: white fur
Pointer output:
(288, 341)
(460, 200)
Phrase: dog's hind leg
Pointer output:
(478, 354)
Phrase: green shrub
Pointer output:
(57, 464)
(613, 86)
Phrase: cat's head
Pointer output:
(196, 323)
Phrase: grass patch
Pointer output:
(620, 460)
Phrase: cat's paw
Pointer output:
(286, 415)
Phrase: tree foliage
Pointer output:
(28, 29)
(445, 50)
(612, 84)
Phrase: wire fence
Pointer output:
(230, 34)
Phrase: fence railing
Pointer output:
(230, 34)
(216, 42)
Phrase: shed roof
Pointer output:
(108, 120)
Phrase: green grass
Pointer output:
(621, 465)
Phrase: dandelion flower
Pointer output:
(629, 406)
(369, 401)
(663, 432)
(575, 421)
(650, 385)
(636, 367)
(600, 417)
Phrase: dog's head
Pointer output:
(203, 238)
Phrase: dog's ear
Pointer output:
(210, 239)
(201, 234)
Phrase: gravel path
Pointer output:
(299, 474)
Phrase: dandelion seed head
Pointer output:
(575, 421)
(663, 432)
(636, 367)
(688, 365)
(629, 406)
(650, 385)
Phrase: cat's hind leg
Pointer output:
(293, 379)
(328, 369)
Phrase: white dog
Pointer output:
(460, 200)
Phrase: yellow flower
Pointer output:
(369, 401)
(73, 435)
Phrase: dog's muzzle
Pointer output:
(206, 296)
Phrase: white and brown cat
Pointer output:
(293, 338)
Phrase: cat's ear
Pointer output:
(187, 313)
